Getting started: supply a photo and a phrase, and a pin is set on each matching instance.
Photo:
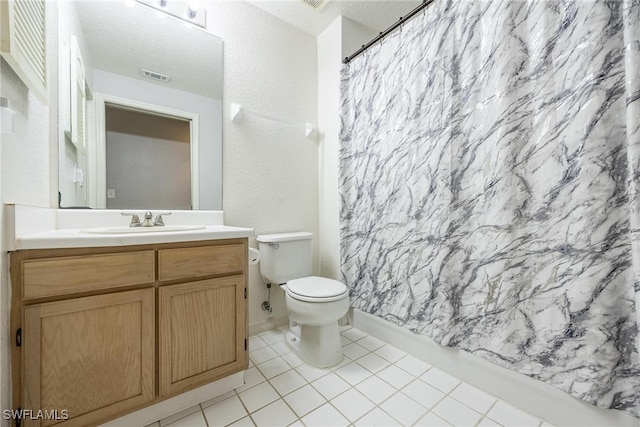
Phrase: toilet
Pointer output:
(314, 304)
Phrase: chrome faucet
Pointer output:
(135, 219)
(148, 216)
(159, 221)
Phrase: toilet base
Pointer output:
(319, 346)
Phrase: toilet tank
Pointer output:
(285, 256)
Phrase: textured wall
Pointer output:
(270, 172)
(489, 167)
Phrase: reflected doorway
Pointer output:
(146, 156)
(148, 160)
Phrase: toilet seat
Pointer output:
(316, 289)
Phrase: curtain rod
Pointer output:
(364, 47)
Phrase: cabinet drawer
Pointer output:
(56, 276)
(201, 261)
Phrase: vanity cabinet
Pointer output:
(101, 332)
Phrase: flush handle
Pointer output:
(274, 245)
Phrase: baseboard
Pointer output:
(533, 396)
(268, 324)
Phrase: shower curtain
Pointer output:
(489, 179)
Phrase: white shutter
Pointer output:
(23, 42)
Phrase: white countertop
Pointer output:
(46, 228)
(76, 238)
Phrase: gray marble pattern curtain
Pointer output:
(489, 179)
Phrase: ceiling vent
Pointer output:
(155, 76)
(316, 4)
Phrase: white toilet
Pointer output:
(314, 303)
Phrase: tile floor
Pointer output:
(375, 385)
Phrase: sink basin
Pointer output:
(141, 230)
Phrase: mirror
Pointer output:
(127, 56)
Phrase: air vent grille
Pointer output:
(316, 4)
(156, 76)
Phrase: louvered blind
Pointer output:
(25, 49)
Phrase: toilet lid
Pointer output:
(316, 287)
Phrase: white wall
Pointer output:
(342, 38)
(270, 173)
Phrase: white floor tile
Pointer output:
(354, 351)
(353, 373)
(423, 393)
(292, 359)
(258, 396)
(440, 380)
(244, 422)
(354, 334)
(256, 343)
(456, 413)
(371, 343)
(344, 361)
(311, 373)
(396, 376)
(404, 387)
(281, 347)
(403, 409)
(413, 365)
(252, 377)
(262, 355)
(225, 412)
(273, 367)
(287, 382)
(375, 389)
(373, 362)
(156, 424)
(390, 353)
(330, 385)
(304, 400)
(272, 337)
(377, 418)
(431, 420)
(275, 414)
(352, 404)
(473, 397)
(508, 415)
(487, 422)
(326, 415)
(194, 420)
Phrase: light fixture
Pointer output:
(188, 11)
(6, 116)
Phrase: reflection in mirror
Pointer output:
(115, 55)
(162, 141)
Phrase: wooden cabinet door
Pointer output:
(202, 331)
(92, 356)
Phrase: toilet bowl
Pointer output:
(314, 304)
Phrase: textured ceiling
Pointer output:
(375, 14)
(124, 39)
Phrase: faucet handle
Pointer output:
(135, 219)
(159, 221)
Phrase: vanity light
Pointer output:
(6, 116)
(188, 11)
